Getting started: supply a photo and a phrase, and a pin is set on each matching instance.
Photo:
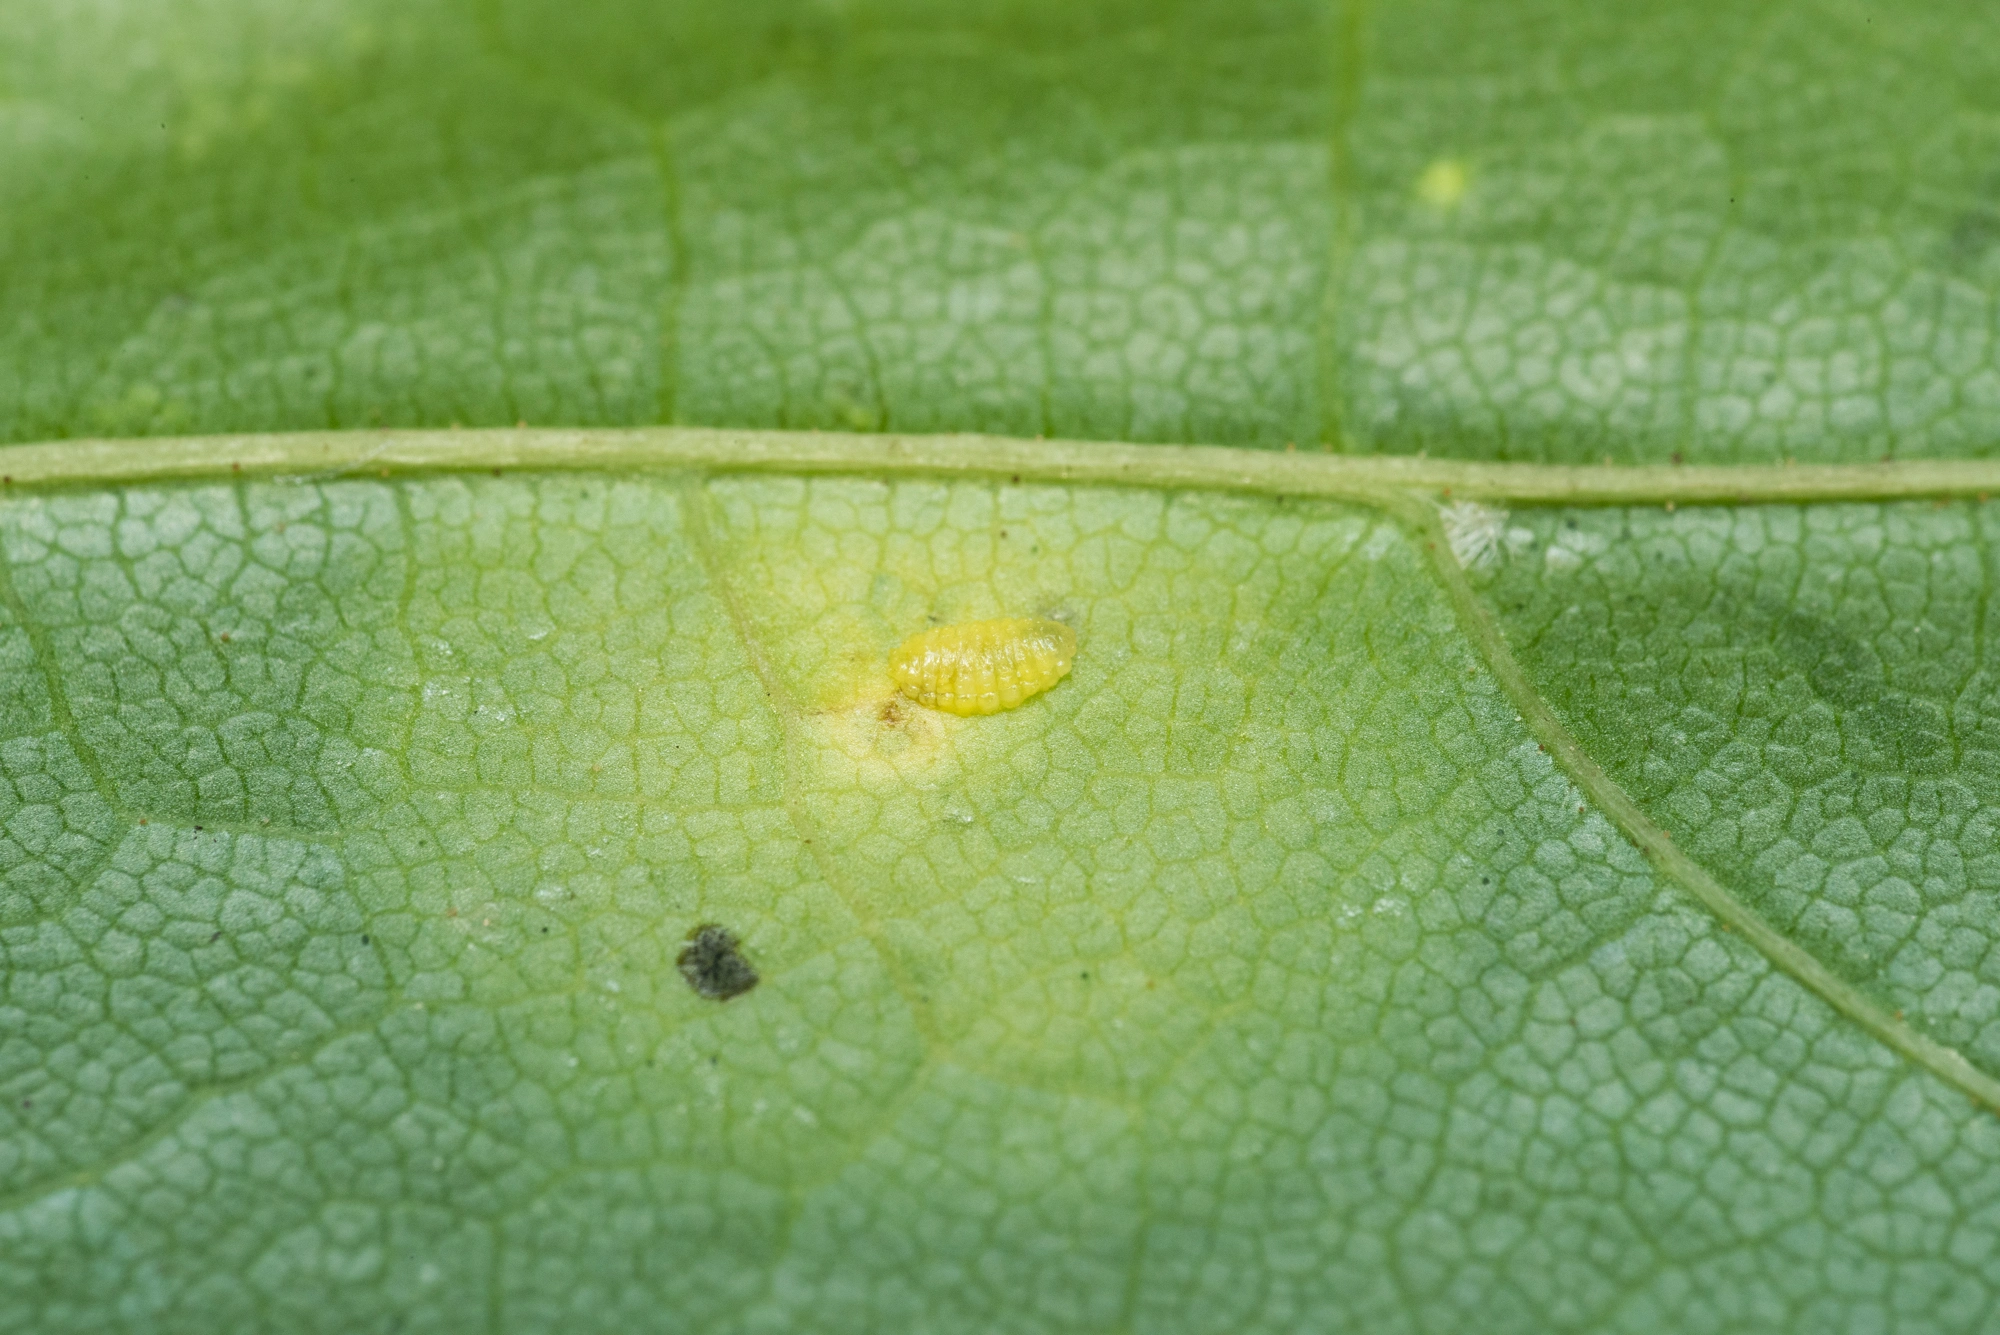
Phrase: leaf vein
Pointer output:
(1946, 1062)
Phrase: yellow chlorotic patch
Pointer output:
(876, 741)
(1443, 183)
(983, 667)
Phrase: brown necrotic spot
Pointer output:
(713, 963)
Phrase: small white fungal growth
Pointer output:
(1477, 533)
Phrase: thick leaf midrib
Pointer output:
(1372, 479)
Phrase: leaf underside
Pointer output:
(357, 826)
(1446, 895)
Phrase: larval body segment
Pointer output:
(983, 667)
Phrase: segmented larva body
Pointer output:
(983, 667)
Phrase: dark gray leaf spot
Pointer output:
(713, 963)
(1846, 672)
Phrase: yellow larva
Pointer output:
(983, 667)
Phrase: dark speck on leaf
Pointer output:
(364, 940)
(713, 965)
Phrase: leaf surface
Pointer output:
(1540, 916)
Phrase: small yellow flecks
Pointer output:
(983, 667)
(1443, 183)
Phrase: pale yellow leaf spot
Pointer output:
(1444, 183)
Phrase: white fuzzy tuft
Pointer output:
(1477, 533)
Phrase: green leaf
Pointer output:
(1270, 964)
(1569, 909)
(1111, 222)
(1737, 232)
(1803, 696)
